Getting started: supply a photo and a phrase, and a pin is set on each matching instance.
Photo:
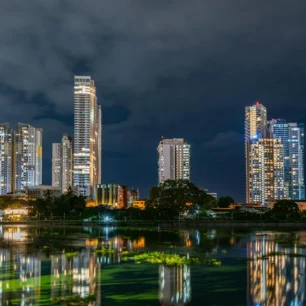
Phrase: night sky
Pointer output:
(183, 69)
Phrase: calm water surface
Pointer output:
(41, 266)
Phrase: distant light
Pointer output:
(258, 103)
(255, 136)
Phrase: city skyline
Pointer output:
(179, 70)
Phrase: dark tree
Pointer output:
(286, 209)
(175, 197)
(225, 202)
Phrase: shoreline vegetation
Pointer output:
(163, 224)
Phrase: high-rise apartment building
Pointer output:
(174, 160)
(5, 158)
(292, 136)
(255, 121)
(27, 157)
(56, 165)
(87, 136)
(266, 170)
(62, 164)
(67, 162)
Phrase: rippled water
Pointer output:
(41, 266)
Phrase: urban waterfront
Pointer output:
(44, 266)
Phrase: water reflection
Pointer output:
(49, 264)
(174, 285)
(278, 280)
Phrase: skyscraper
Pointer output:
(255, 128)
(174, 160)
(5, 158)
(56, 165)
(62, 164)
(27, 157)
(292, 136)
(87, 136)
(255, 121)
(266, 170)
(67, 163)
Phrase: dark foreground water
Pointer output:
(41, 266)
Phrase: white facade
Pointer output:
(5, 158)
(87, 136)
(62, 164)
(27, 156)
(174, 160)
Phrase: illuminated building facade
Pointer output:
(140, 204)
(114, 195)
(27, 157)
(266, 170)
(292, 136)
(62, 164)
(174, 160)
(56, 165)
(5, 158)
(87, 136)
(255, 128)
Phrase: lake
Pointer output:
(48, 266)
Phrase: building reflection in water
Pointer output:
(277, 280)
(71, 274)
(174, 285)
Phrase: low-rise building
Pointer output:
(36, 192)
(141, 204)
(113, 195)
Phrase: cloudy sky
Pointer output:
(162, 68)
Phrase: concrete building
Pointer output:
(266, 170)
(5, 158)
(174, 160)
(255, 128)
(140, 204)
(27, 157)
(62, 164)
(56, 165)
(87, 136)
(292, 136)
(113, 195)
(36, 192)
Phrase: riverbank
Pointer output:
(161, 224)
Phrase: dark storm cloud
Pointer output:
(173, 68)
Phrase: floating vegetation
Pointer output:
(73, 300)
(170, 259)
(71, 254)
(224, 252)
(105, 251)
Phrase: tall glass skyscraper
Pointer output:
(292, 136)
(87, 136)
(174, 160)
